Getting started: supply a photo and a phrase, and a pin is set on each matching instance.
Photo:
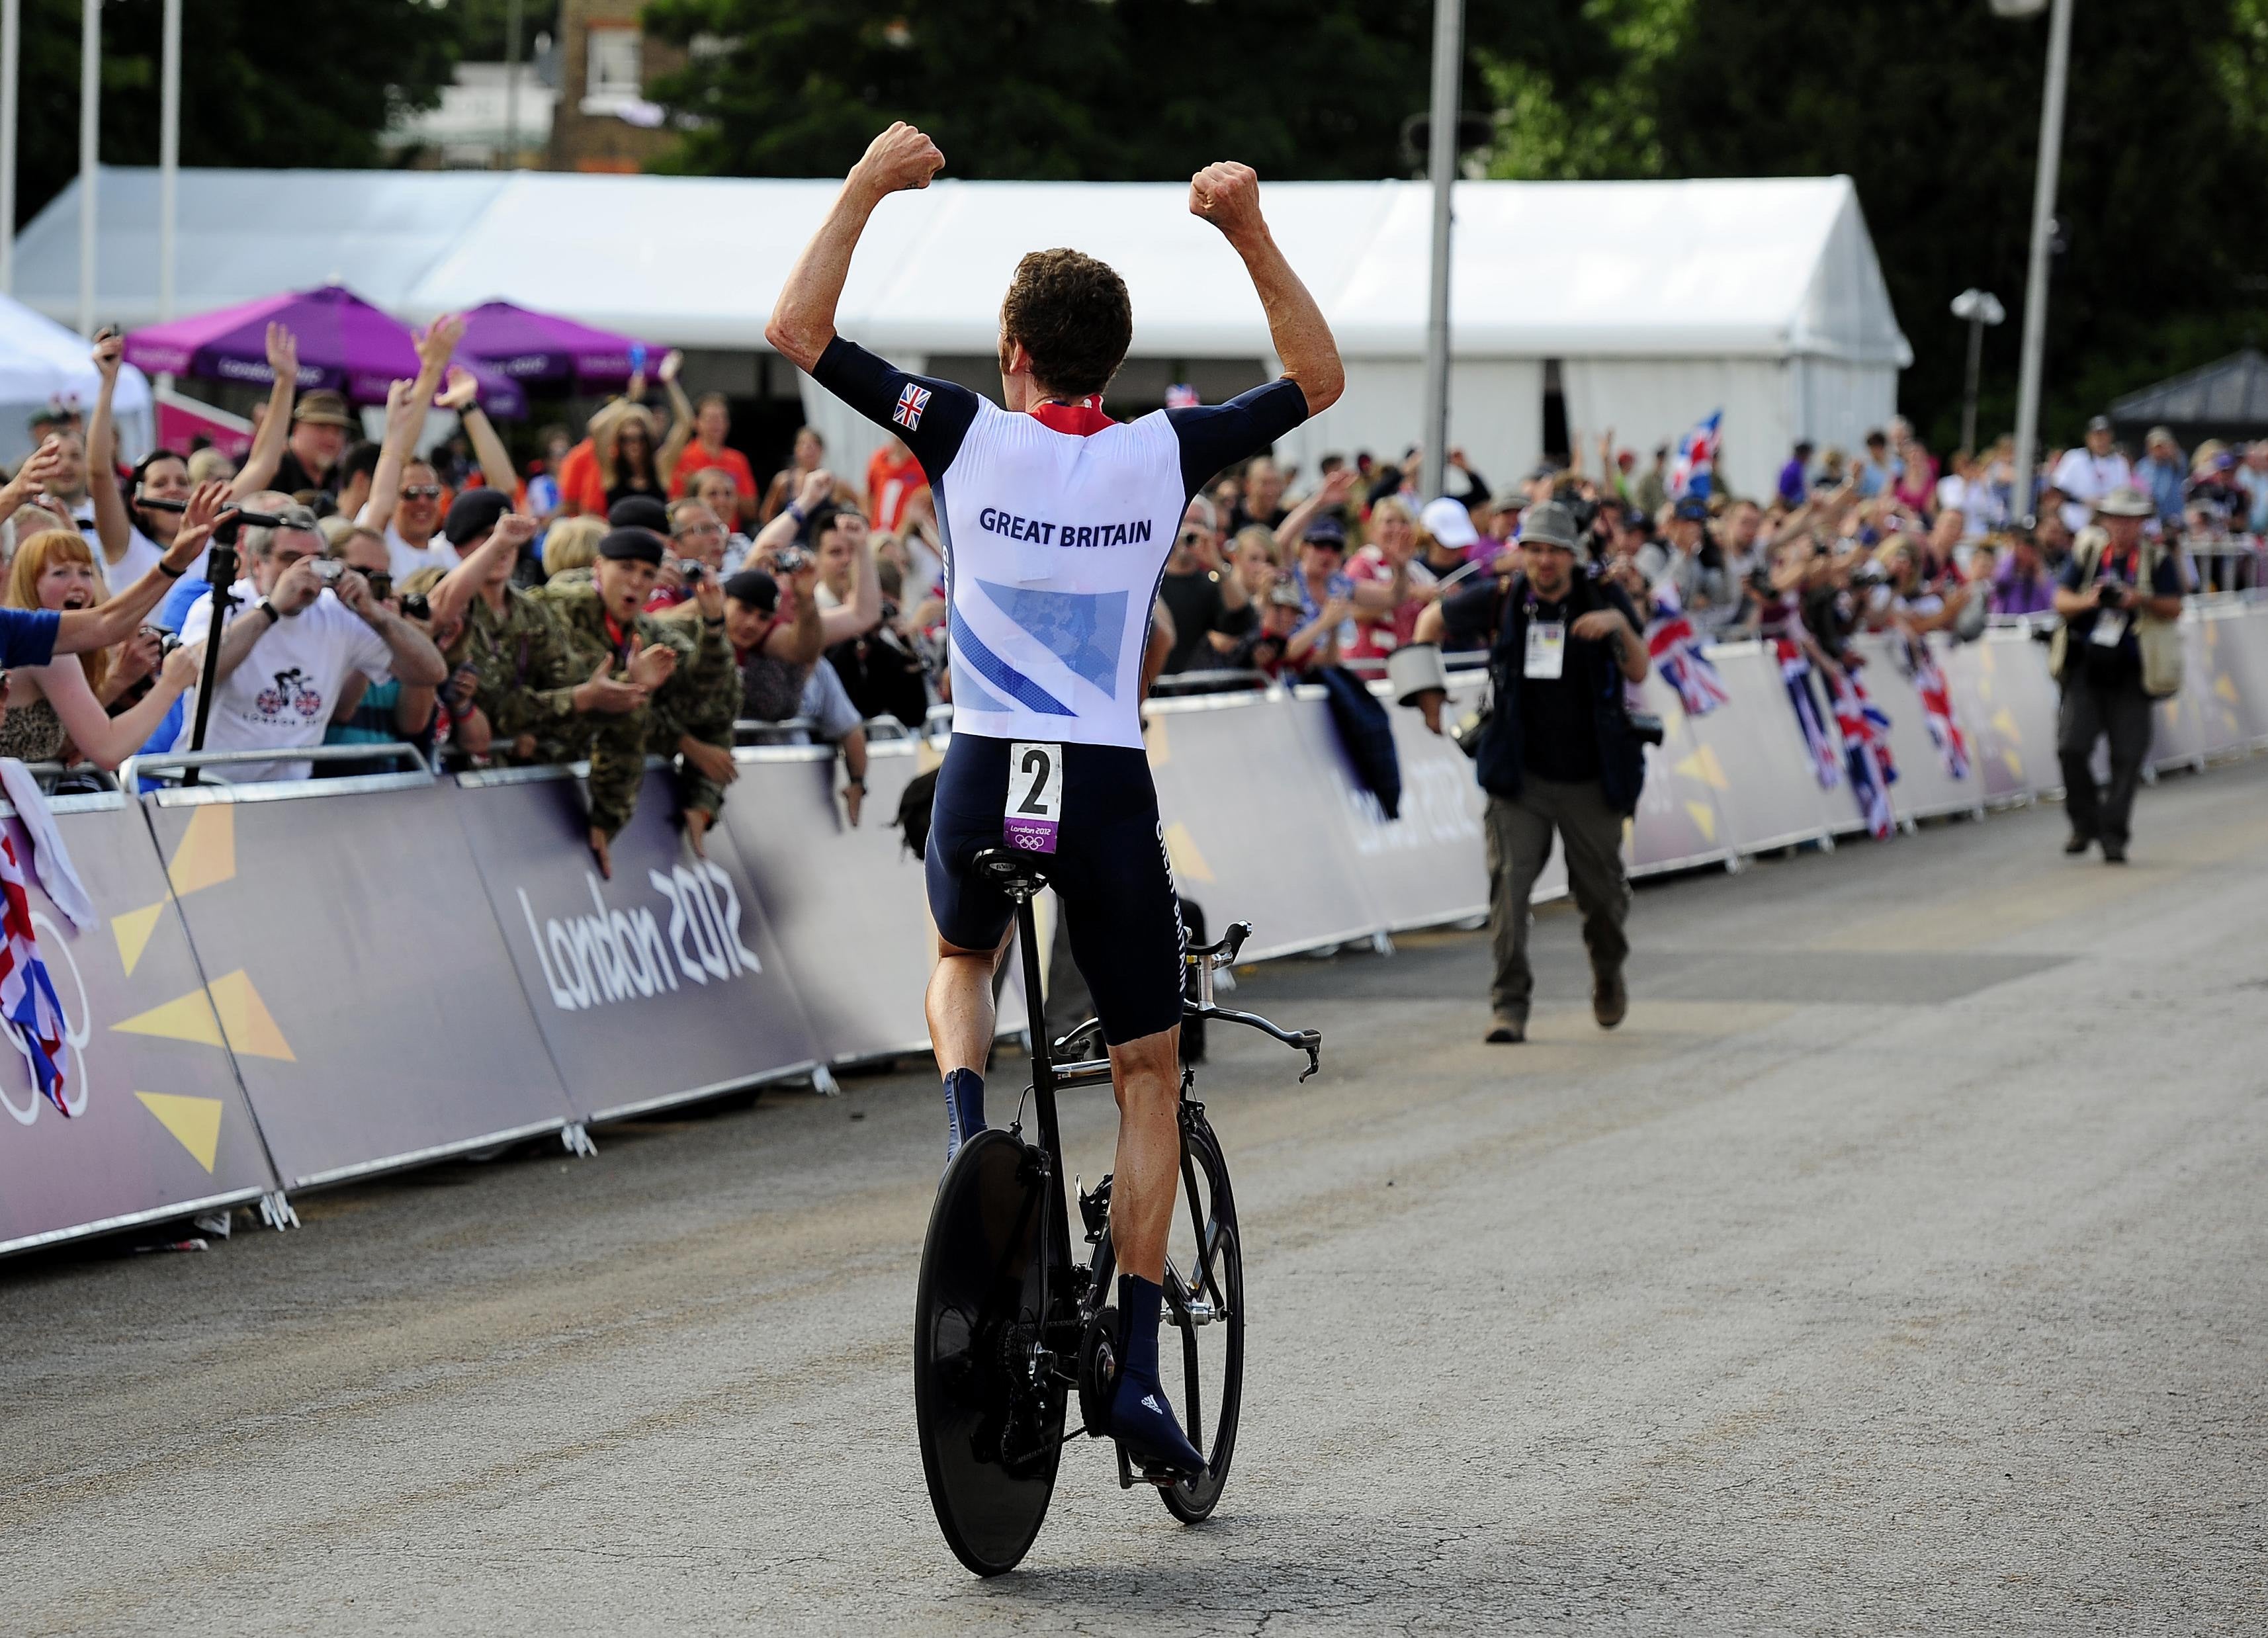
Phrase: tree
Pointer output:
(1138, 89)
(1932, 108)
(263, 83)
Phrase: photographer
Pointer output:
(1559, 752)
(2117, 651)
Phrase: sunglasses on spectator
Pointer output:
(697, 530)
(422, 492)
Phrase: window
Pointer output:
(613, 69)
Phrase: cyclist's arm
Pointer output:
(1162, 635)
(1227, 196)
(803, 320)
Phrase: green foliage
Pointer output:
(1042, 89)
(1932, 106)
(263, 83)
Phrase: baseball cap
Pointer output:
(1446, 520)
(637, 546)
(753, 588)
(639, 511)
(1326, 532)
(1694, 507)
(2099, 423)
(474, 513)
(324, 408)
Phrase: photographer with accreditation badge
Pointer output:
(2117, 651)
(1559, 751)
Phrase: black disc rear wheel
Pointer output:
(1203, 1318)
(989, 1440)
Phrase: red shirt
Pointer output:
(697, 460)
(1376, 637)
(890, 485)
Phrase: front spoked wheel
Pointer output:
(1204, 1307)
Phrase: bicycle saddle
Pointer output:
(1018, 875)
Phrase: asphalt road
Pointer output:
(1901, 1265)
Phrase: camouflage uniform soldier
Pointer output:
(685, 670)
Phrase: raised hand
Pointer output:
(514, 530)
(435, 345)
(650, 664)
(671, 361)
(1227, 195)
(464, 386)
(283, 352)
(816, 487)
(109, 350)
(400, 408)
(604, 695)
(198, 517)
(901, 157)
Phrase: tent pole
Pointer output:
(90, 145)
(2036, 282)
(11, 37)
(169, 156)
(1442, 170)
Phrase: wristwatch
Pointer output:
(275, 615)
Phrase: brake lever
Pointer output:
(1313, 1040)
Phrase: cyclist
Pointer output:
(1057, 523)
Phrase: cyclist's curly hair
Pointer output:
(1072, 315)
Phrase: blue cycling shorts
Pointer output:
(1109, 872)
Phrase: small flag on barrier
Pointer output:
(1696, 458)
(27, 995)
(1677, 650)
(1866, 728)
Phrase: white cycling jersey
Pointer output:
(1056, 526)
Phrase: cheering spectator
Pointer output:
(696, 444)
(1286, 638)
(1874, 470)
(1327, 596)
(1260, 495)
(2252, 478)
(375, 712)
(1794, 478)
(805, 457)
(1651, 490)
(2023, 583)
(1685, 565)
(2163, 475)
(55, 712)
(894, 477)
(2088, 473)
(1258, 560)
(782, 674)
(1390, 563)
(285, 659)
(570, 545)
(722, 494)
(1204, 601)
(319, 429)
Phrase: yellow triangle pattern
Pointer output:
(132, 931)
(1157, 743)
(207, 855)
(1704, 766)
(1704, 819)
(2225, 685)
(2003, 723)
(187, 1018)
(1182, 847)
(195, 1122)
(250, 1027)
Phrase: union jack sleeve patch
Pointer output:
(912, 402)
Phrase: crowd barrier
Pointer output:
(287, 986)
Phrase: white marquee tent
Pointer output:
(44, 365)
(1657, 301)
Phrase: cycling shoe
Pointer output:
(964, 1109)
(1141, 1417)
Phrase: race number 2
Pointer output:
(1035, 796)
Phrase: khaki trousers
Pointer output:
(1520, 831)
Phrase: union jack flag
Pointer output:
(1677, 650)
(1795, 674)
(1866, 730)
(1696, 458)
(912, 402)
(27, 995)
(1937, 709)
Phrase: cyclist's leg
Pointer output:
(1125, 927)
(976, 922)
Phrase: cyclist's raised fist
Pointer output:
(1227, 195)
(901, 157)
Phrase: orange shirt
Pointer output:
(579, 481)
(697, 460)
(889, 485)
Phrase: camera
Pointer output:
(791, 560)
(1645, 728)
(328, 569)
(415, 607)
(692, 568)
(2111, 594)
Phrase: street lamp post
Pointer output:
(2036, 279)
(1441, 168)
(1979, 308)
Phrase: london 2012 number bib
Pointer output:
(1035, 796)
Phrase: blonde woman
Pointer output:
(572, 543)
(52, 707)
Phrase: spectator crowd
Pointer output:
(643, 590)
